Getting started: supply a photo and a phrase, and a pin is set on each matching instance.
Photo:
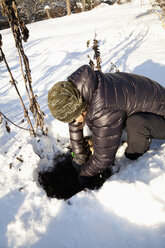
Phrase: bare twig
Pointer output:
(113, 68)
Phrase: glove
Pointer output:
(107, 173)
(80, 159)
(94, 182)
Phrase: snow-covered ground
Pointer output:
(129, 210)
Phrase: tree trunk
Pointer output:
(83, 5)
(68, 7)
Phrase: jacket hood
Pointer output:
(85, 80)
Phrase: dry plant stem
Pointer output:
(26, 87)
(14, 123)
(20, 52)
(96, 56)
(14, 84)
(33, 103)
(162, 18)
(91, 63)
(162, 15)
(20, 32)
(95, 47)
(34, 106)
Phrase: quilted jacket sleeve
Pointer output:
(76, 137)
(107, 130)
(79, 145)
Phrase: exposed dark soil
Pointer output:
(62, 182)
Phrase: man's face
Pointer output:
(81, 118)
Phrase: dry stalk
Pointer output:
(95, 47)
(96, 56)
(91, 63)
(161, 4)
(20, 32)
(13, 83)
(113, 68)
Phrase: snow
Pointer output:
(47, 7)
(129, 210)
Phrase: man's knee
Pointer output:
(138, 136)
(135, 123)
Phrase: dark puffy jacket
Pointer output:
(111, 98)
